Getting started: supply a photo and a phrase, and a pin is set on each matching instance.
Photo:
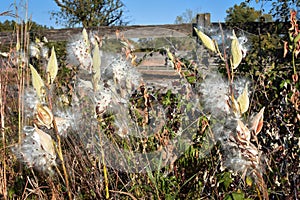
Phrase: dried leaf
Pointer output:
(207, 41)
(295, 78)
(96, 66)
(285, 48)
(46, 142)
(236, 51)
(257, 121)
(37, 82)
(243, 100)
(52, 67)
(44, 116)
(252, 152)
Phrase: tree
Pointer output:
(280, 8)
(243, 13)
(10, 25)
(89, 13)
(189, 16)
(264, 45)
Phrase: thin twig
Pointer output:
(8, 13)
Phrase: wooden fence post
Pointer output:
(202, 23)
(203, 20)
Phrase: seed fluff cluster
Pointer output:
(237, 135)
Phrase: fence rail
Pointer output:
(154, 66)
(154, 31)
(137, 31)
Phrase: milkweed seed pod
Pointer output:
(36, 150)
(44, 116)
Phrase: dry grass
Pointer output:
(89, 151)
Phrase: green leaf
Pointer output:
(96, 66)
(243, 100)
(249, 181)
(228, 197)
(207, 41)
(37, 82)
(235, 196)
(226, 180)
(37, 40)
(236, 51)
(52, 67)
(238, 196)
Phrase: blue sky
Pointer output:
(138, 12)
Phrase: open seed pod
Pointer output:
(243, 133)
(45, 141)
(36, 149)
(44, 116)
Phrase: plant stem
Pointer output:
(59, 149)
(104, 168)
(3, 171)
(60, 155)
(226, 60)
(293, 61)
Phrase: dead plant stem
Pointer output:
(2, 104)
(59, 149)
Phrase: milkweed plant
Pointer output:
(228, 103)
(102, 101)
